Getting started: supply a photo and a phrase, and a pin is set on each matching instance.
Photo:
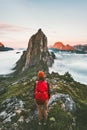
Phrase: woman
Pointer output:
(41, 96)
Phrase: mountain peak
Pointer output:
(61, 46)
(37, 52)
(1, 45)
(58, 45)
(39, 30)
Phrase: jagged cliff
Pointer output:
(36, 53)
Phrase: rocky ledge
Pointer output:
(67, 104)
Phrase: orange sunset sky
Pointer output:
(60, 20)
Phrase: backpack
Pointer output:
(41, 92)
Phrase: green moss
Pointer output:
(63, 120)
(23, 90)
(81, 115)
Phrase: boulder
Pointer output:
(67, 103)
(9, 108)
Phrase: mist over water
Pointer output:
(75, 64)
(8, 60)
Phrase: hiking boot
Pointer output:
(39, 123)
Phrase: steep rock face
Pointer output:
(37, 51)
(37, 46)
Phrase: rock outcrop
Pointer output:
(66, 101)
(12, 107)
(36, 53)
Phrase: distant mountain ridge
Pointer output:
(3, 48)
(81, 48)
(1, 45)
(77, 48)
(61, 46)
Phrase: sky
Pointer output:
(60, 20)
